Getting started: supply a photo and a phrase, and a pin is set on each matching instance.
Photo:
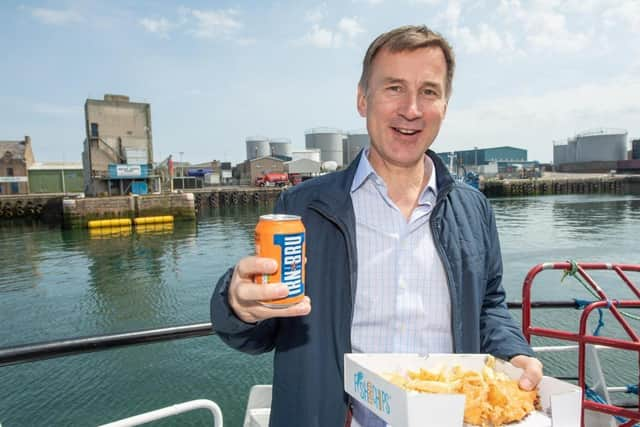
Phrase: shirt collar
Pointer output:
(365, 170)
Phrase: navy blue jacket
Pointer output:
(309, 350)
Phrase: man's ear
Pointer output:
(361, 102)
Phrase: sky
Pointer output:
(216, 72)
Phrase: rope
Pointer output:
(581, 304)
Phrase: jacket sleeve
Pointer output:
(253, 338)
(499, 333)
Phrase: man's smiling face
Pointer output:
(404, 104)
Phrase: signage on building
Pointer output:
(13, 179)
(128, 171)
(226, 174)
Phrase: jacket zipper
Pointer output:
(344, 232)
(435, 230)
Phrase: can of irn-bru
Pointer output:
(281, 237)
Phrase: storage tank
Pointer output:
(353, 143)
(601, 145)
(257, 146)
(311, 154)
(560, 154)
(329, 141)
(280, 147)
(572, 149)
(635, 149)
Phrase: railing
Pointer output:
(582, 337)
(69, 346)
(66, 347)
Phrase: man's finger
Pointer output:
(300, 309)
(250, 266)
(256, 292)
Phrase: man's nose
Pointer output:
(410, 107)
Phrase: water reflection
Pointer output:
(56, 284)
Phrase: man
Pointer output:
(400, 257)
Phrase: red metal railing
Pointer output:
(583, 337)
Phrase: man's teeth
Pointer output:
(407, 131)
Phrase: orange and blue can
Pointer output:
(282, 238)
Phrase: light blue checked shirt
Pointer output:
(402, 301)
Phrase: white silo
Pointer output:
(601, 145)
(280, 147)
(257, 146)
(353, 143)
(329, 141)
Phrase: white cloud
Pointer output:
(486, 39)
(347, 30)
(157, 26)
(627, 12)
(373, 2)
(56, 17)
(547, 30)
(544, 24)
(213, 23)
(350, 27)
(321, 37)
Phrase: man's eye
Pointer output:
(396, 89)
(430, 92)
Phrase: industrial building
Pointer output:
(247, 172)
(15, 159)
(56, 177)
(484, 156)
(591, 151)
(311, 154)
(303, 167)
(118, 149)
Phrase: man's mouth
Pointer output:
(405, 131)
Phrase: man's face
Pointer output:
(404, 104)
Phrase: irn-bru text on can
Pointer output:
(281, 237)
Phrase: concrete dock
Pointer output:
(552, 183)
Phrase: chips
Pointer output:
(492, 398)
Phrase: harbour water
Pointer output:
(56, 284)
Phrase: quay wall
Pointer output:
(618, 184)
(77, 213)
(216, 197)
(74, 211)
(56, 209)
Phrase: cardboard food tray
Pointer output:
(560, 401)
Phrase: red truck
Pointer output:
(278, 179)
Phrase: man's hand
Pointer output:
(245, 296)
(532, 371)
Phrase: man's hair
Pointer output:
(408, 38)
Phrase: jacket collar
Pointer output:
(335, 199)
